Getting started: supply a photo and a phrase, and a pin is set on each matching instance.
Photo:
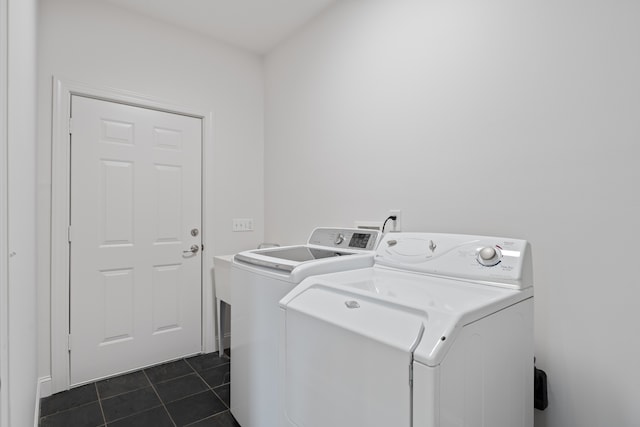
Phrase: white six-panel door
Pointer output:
(135, 294)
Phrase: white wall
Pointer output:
(19, 211)
(500, 118)
(102, 45)
(4, 216)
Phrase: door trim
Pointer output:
(60, 211)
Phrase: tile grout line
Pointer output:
(193, 371)
(205, 381)
(160, 399)
(95, 384)
(212, 388)
(135, 413)
(208, 418)
(221, 399)
(228, 360)
(66, 410)
(224, 383)
(149, 385)
(126, 391)
(170, 379)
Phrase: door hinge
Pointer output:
(69, 343)
(70, 125)
(69, 234)
(410, 374)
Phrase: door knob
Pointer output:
(194, 249)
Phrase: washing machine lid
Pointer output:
(384, 321)
(444, 305)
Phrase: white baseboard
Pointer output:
(43, 389)
(45, 386)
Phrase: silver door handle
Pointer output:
(194, 249)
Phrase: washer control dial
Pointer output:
(488, 256)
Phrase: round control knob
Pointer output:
(488, 256)
(339, 239)
(487, 253)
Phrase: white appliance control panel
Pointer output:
(345, 238)
(488, 260)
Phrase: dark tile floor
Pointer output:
(188, 392)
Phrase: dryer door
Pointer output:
(347, 360)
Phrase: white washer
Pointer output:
(438, 333)
(259, 279)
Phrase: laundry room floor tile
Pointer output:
(68, 399)
(207, 361)
(122, 384)
(181, 387)
(217, 376)
(168, 371)
(88, 415)
(224, 393)
(129, 403)
(156, 417)
(223, 419)
(193, 408)
(193, 391)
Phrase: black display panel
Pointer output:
(359, 240)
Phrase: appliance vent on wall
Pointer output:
(369, 225)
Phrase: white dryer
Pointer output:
(438, 333)
(259, 279)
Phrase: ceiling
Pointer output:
(256, 25)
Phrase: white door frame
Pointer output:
(4, 219)
(60, 210)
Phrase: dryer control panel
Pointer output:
(486, 260)
(345, 238)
